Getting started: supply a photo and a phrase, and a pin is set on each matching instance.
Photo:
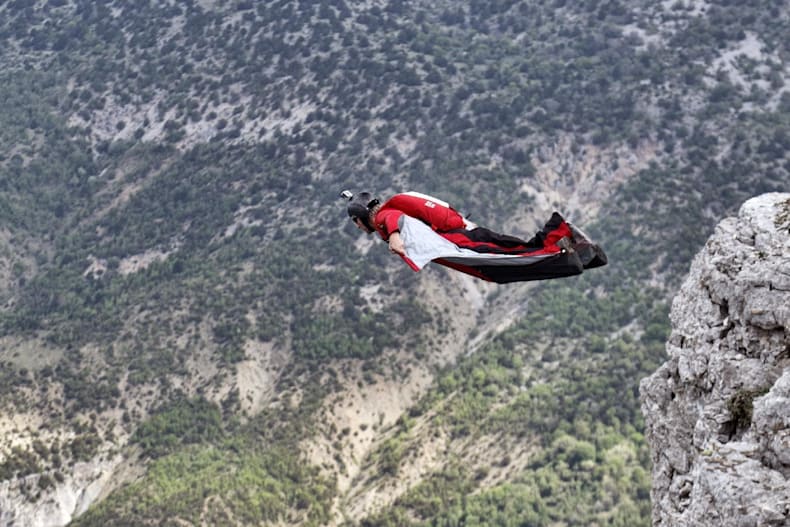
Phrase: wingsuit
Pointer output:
(432, 230)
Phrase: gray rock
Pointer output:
(717, 413)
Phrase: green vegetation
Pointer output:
(741, 407)
(180, 423)
(219, 471)
(218, 484)
(19, 463)
(586, 490)
(574, 402)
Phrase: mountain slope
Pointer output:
(177, 289)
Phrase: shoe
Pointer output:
(566, 244)
(578, 235)
(589, 253)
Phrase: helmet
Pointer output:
(359, 207)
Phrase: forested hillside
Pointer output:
(192, 331)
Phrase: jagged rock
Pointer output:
(717, 412)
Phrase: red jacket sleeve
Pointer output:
(387, 221)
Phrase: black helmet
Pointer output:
(359, 207)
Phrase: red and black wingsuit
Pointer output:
(432, 230)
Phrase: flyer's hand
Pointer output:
(396, 243)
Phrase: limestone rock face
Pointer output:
(717, 412)
(60, 503)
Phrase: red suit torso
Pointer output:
(432, 211)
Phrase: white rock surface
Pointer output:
(60, 504)
(729, 355)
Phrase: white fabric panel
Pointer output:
(426, 197)
(422, 245)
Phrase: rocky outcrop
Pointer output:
(59, 503)
(718, 411)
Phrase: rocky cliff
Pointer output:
(29, 502)
(718, 411)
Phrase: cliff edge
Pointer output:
(718, 411)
